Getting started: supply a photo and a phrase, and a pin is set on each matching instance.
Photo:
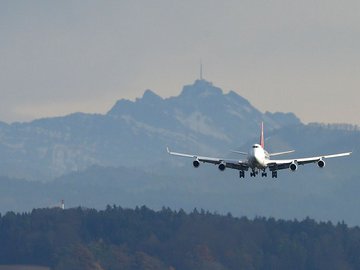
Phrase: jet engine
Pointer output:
(321, 163)
(222, 166)
(196, 163)
(293, 166)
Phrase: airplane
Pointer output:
(258, 160)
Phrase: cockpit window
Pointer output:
(255, 146)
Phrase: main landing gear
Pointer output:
(254, 173)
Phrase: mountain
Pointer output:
(134, 133)
(120, 158)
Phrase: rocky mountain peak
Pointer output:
(201, 88)
(150, 97)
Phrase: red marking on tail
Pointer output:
(262, 143)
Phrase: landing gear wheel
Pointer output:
(241, 174)
(274, 174)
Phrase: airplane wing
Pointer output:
(281, 164)
(228, 163)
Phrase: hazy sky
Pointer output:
(58, 57)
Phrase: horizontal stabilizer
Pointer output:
(239, 152)
(281, 153)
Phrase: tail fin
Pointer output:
(262, 142)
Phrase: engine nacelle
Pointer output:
(321, 163)
(293, 166)
(196, 163)
(222, 166)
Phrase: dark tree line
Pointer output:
(118, 238)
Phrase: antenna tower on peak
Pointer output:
(201, 70)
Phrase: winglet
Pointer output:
(168, 150)
(262, 143)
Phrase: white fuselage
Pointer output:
(257, 157)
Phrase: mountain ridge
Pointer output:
(201, 117)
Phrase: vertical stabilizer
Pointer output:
(262, 143)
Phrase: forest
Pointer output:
(117, 238)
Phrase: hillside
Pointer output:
(309, 192)
(118, 238)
